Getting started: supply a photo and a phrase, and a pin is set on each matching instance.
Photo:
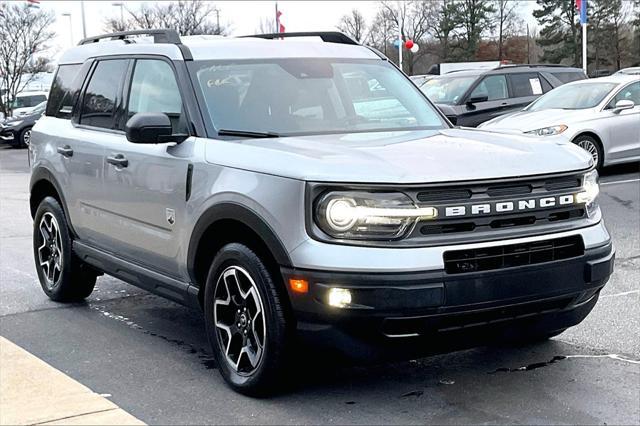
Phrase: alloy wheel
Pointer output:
(591, 148)
(26, 138)
(240, 320)
(50, 251)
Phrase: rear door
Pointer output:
(146, 184)
(525, 88)
(494, 87)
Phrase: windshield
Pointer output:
(573, 96)
(447, 90)
(311, 96)
(27, 101)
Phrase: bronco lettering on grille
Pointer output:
(509, 206)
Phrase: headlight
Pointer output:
(548, 131)
(590, 191)
(369, 215)
(13, 123)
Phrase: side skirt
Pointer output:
(139, 276)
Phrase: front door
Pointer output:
(146, 183)
(495, 90)
(624, 131)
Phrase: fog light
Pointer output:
(339, 297)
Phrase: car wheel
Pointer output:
(25, 138)
(63, 276)
(593, 147)
(245, 321)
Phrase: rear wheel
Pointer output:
(63, 276)
(245, 321)
(592, 146)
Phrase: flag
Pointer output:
(581, 5)
(280, 27)
(33, 3)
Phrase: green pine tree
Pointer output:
(560, 36)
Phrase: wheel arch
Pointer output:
(231, 222)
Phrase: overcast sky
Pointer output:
(243, 16)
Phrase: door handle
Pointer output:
(118, 160)
(65, 151)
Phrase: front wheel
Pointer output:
(245, 321)
(24, 139)
(592, 147)
(63, 276)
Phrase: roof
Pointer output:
(220, 48)
(616, 78)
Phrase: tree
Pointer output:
(559, 37)
(474, 17)
(354, 25)
(24, 33)
(507, 20)
(266, 26)
(412, 17)
(443, 27)
(188, 17)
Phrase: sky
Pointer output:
(243, 16)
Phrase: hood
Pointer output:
(523, 121)
(400, 157)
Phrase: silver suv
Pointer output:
(304, 190)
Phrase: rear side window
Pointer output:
(493, 86)
(61, 97)
(526, 84)
(568, 76)
(99, 103)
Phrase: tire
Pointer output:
(593, 147)
(63, 276)
(250, 344)
(24, 139)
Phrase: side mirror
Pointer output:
(622, 105)
(151, 128)
(476, 99)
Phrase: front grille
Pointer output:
(507, 256)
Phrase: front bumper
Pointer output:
(403, 311)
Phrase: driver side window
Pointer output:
(494, 87)
(629, 93)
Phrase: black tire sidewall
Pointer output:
(596, 144)
(21, 143)
(64, 291)
(260, 381)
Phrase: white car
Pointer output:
(24, 102)
(601, 115)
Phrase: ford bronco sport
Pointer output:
(304, 190)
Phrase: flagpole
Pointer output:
(584, 47)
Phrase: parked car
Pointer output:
(600, 115)
(469, 98)
(16, 131)
(243, 177)
(420, 79)
(25, 101)
(629, 71)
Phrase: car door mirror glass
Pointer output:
(623, 104)
(152, 128)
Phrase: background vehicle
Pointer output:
(16, 131)
(600, 115)
(447, 67)
(629, 71)
(298, 189)
(469, 98)
(25, 101)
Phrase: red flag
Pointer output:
(578, 5)
(278, 15)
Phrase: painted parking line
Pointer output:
(33, 392)
(612, 182)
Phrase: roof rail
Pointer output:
(166, 36)
(535, 66)
(326, 36)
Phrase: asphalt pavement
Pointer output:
(151, 355)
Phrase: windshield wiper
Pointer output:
(247, 134)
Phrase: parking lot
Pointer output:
(150, 356)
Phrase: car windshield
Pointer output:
(573, 96)
(284, 97)
(27, 101)
(447, 89)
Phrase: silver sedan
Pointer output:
(601, 115)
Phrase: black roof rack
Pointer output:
(326, 36)
(535, 66)
(166, 36)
